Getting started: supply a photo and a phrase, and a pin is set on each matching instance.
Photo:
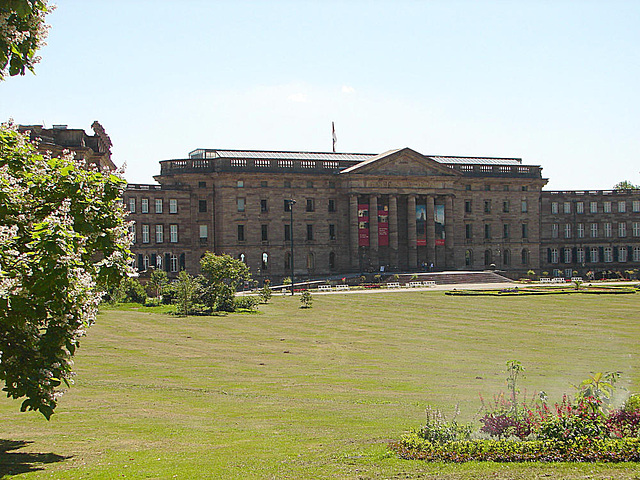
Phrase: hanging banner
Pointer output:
(363, 224)
(383, 225)
(439, 220)
(421, 225)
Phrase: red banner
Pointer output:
(383, 225)
(363, 225)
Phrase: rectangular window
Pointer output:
(310, 205)
(241, 233)
(636, 254)
(264, 233)
(202, 206)
(468, 231)
(636, 229)
(567, 207)
(487, 231)
(505, 230)
(132, 205)
(594, 230)
(132, 232)
(554, 207)
(204, 231)
(287, 233)
(607, 230)
(240, 183)
(173, 262)
(566, 254)
(309, 232)
(580, 207)
(607, 207)
(487, 206)
(593, 207)
(173, 233)
(144, 207)
(608, 254)
(158, 205)
(580, 255)
(173, 205)
(525, 230)
(554, 255)
(523, 206)
(202, 184)
(505, 206)
(622, 254)
(581, 230)
(145, 233)
(635, 206)
(554, 230)
(593, 255)
(332, 231)
(622, 206)
(467, 206)
(240, 204)
(332, 205)
(159, 233)
(287, 205)
(567, 230)
(622, 229)
(263, 206)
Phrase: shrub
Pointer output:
(305, 299)
(130, 290)
(633, 403)
(246, 302)
(438, 430)
(265, 292)
(624, 423)
(225, 299)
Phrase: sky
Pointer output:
(555, 83)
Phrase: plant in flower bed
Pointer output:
(585, 429)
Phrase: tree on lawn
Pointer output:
(63, 239)
(222, 277)
(22, 32)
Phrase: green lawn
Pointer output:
(316, 393)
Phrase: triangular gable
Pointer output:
(403, 162)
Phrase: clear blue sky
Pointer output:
(555, 83)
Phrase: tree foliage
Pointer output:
(63, 239)
(222, 276)
(22, 33)
(626, 185)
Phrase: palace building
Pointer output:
(395, 211)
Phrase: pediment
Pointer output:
(402, 162)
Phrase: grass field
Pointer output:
(317, 393)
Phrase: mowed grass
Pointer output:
(314, 393)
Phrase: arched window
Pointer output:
(159, 262)
(311, 261)
(506, 257)
(242, 258)
(524, 256)
(146, 262)
(174, 263)
(265, 261)
(488, 258)
(332, 260)
(468, 258)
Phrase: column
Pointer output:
(353, 229)
(448, 231)
(412, 235)
(431, 230)
(373, 230)
(393, 230)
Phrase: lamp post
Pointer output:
(291, 202)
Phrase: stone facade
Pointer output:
(593, 231)
(93, 149)
(396, 211)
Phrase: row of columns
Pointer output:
(412, 235)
